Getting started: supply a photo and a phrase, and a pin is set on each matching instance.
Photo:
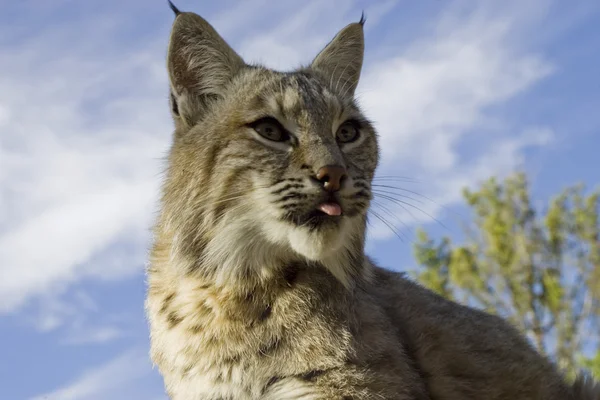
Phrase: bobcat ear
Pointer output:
(341, 60)
(200, 64)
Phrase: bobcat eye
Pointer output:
(270, 129)
(347, 132)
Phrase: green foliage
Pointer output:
(541, 271)
(592, 364)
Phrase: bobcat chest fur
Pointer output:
(283, 341)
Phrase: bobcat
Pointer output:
(258, 285)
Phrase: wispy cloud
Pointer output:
(95, 335)
(437, 91)
(80, 141)
(112, 380)
(433, 104)
(77, 319)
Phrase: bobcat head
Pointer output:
(266, 167)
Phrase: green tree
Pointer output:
(540, 270)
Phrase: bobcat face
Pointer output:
(308, 153)
(282, 157)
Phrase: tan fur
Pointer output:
(248, 300)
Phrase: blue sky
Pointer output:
(459, 91)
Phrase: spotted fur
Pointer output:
(252, 295)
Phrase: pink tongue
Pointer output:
(330, 208)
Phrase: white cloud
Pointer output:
(432, 99)
(108, 381)
(77, 319)
(438, 90)
(96, 335)
(80, 137)
(83, 123)
(289, 42)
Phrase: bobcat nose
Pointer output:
(332, 177)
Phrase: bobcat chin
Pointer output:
(258, 283)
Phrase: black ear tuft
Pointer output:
(175, 9)
(363, 19)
